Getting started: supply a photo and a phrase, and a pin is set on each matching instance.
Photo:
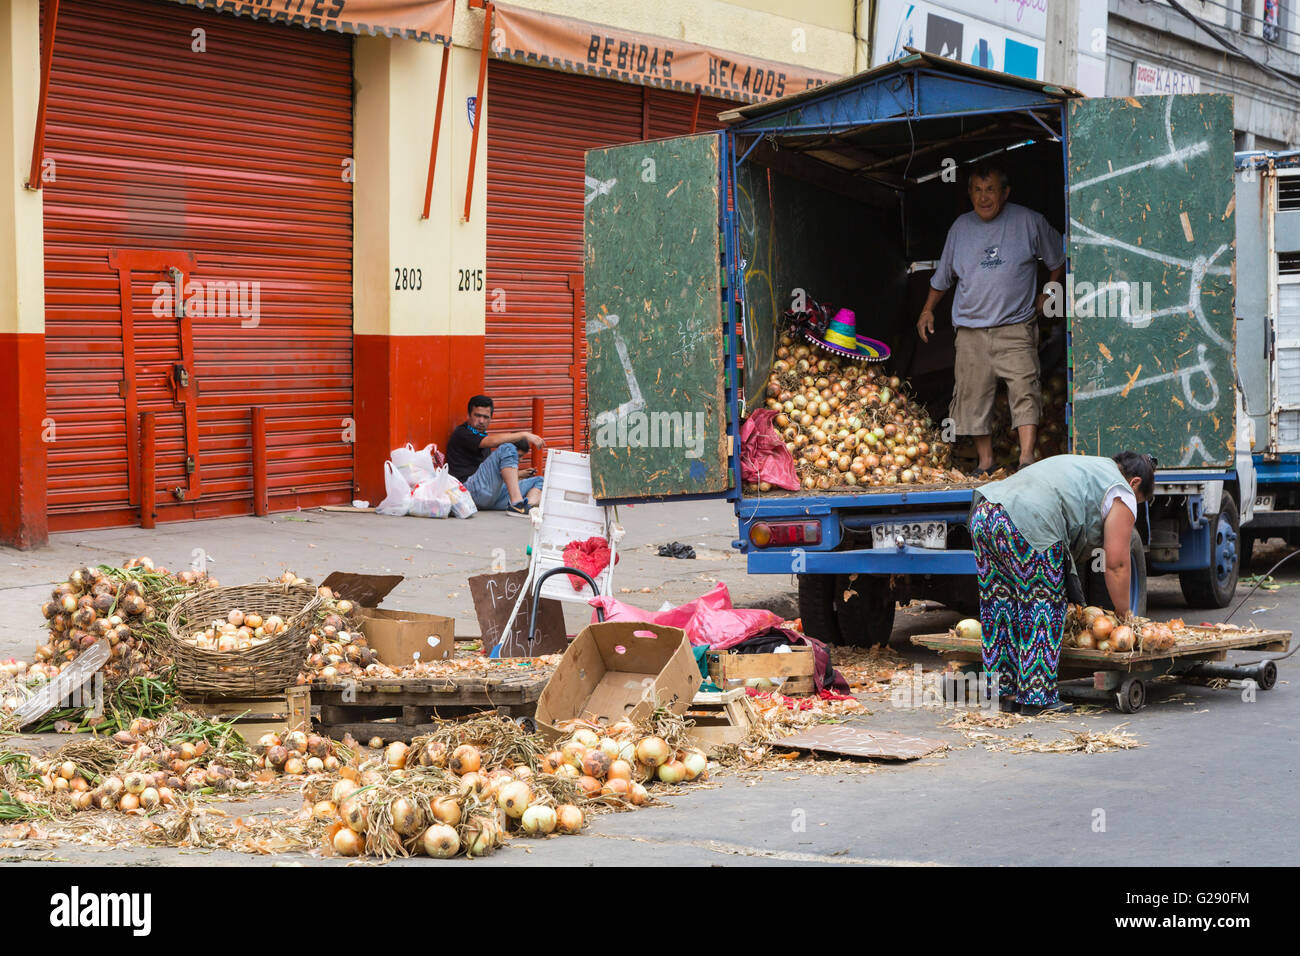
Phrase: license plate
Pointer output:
(919, 534)
(1264, 502)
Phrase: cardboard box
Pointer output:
(619, 669)
(396, 636)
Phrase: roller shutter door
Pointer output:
(230, 157)
(541, 122)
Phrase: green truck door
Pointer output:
(1151, 246)
(656, 364)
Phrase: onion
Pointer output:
(620, 770)
(440, 842)
(515, 797)
(294, 766)
(617, 786)
(354, 813)
(1086, 641)
(671, 771)
(596, 763)
(551, 762)
(539, 820)
(1091, 613)
(590, 786)
(446, 809)
(1123, 638)
(481, 836)
(572, 753)
(135, 783)
(68, 770)
(128, 802)
(315, 765)
(348, 842)
(569, 819)
(638, 795)
(652, 751)
(473, 782)
(342, 789)
(1102, 627)
(324, 810)
(465, 759)
(149, 798)
(395, 755)
(695, 762)
(406, 816)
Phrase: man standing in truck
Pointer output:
(992, 254)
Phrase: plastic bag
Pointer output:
(462, 503)
(398, 500)
(429, 501)
(709, 619)
(415, 466)
(763, 456)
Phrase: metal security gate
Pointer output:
(198, 260)
(540, 125)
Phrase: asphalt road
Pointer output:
(1212, 783)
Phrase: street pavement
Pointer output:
(1212, 783)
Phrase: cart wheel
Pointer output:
(1266, 675)
(1132, 696)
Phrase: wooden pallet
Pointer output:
(404, 708)
(1208, 645)
(797, 668)
(255, 716)
(720, 718)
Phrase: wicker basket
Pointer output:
(263, 670)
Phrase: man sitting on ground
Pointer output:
(488, 465)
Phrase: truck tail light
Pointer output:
(765, 534)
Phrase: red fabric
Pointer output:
(591, 556)
(798, 703)
(763, 455)
(709, 620)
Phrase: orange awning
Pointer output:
(576, 46)
(413, 19)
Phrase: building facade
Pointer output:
(1249, 48)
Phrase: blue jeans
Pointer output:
(488, 488)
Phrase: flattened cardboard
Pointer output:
(368, 590)
(494, 598)
(858, 742)
(619, 669)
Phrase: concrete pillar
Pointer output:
(1061, 50)
(22, 287)
(418, 324)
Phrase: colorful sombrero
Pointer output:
(842, 338)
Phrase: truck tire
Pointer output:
(866, 618)
(817, 607)
(1214, 586)
(1137, 591)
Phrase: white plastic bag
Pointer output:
(462, 503)
(397, 501)
(415, 466)
(428, 501)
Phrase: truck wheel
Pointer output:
(867, 616)
(817, 607)
(1215, 585)
(1137, 581)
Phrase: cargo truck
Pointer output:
(696, 246)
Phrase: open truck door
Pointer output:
(658, 347)
(1150, 295)
(1150, 290)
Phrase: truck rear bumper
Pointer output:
(1274, 519)
(907, 560)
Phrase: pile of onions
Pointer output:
(297, 753)
(850, 425)
(238, 632)
(1091, 628)
(1157, 637)
(337, 648)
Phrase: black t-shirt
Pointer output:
(463, 452)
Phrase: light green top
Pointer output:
(1058, 499)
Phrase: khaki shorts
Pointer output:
(1006, 352)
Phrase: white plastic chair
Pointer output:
(567, 512)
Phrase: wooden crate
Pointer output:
(798, 667)
(720, 718)
(256, 716)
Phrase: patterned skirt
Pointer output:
(1022, 607)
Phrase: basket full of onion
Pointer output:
(216, 651)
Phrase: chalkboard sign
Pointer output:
(494, 597)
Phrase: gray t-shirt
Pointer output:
(995, 265)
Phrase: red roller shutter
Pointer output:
(541, 123)
(232, 156)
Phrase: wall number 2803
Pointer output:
(408, 280)
(471, 280)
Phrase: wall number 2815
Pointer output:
(408, 280)
(471, 280)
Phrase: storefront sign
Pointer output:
(576, 46)
(1151, 80)
(413, 19)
